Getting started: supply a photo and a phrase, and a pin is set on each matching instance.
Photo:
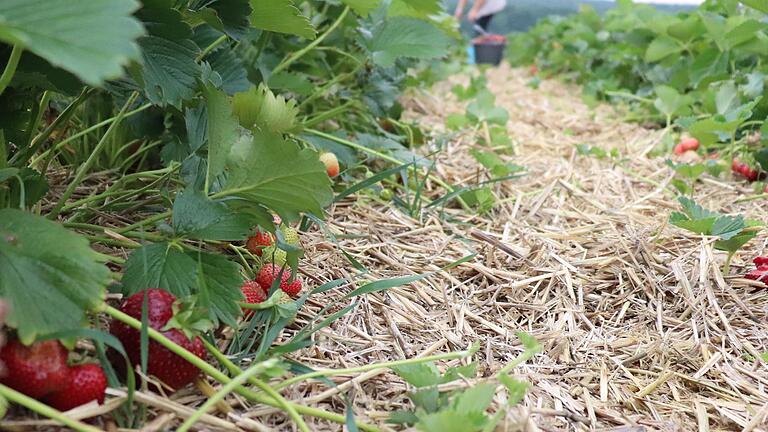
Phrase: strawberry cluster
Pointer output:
(759, 274)
(40, 371)
(273, 271)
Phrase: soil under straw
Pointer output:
(640, 329)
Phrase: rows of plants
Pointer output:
(168, 153)
(700, 74)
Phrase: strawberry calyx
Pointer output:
(188, 318)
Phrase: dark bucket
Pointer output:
(489, 53)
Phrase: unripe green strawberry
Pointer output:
(274, 254)
(283, 298)
(290, 234)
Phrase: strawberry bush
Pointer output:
(176, 131)
(700, 73)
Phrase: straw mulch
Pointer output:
(641, 330)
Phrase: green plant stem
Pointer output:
(388, 158)
(145, 222)
(220, 377)
(280, 401)
(370, 367)
(37, 113)
(727, 265)
(327, 115)
(83, 170)
(298, 54)
(89, 130)
(221, 394)
(10, 67)
(320, 92)
(23, 155)
(211, 47)
(44, 410)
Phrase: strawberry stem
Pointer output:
(220, 377)
(43, 409)
(374, 366)
(10, 67)
(280, 401)
(227, 389)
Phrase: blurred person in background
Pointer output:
(481, 12)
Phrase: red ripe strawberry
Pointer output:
(679, 149)
(87, 383)
(170, 368)
(270, 272)
(36, 370)
(256, 243)
(253, 294)
(293, 289)
(760, 274)
(761, 261)
(534, 69)
(331, 164)
(159, 307)
(163, 364)
(690, 144)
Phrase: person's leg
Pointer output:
(484, 22)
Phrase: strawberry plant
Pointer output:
(701, 71)
(463, 409)
(733, 232)
(143, 142)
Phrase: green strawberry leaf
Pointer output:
(91, 39)
(230, 67)
(517, 389)
(484, 109)
(475, 399)
(50, 276)
(407, 37)
(415, 8)
(661, 48)
(160, 265)
(218, 281)
(259, 108)
(699, 226)
(670, 102)
(454, 373)
(761, 5)
(736, 242)
(228, 16)
(493, 163)
(451, 421)
(362, 7)
(419, 375)
(170, 71)
(280, 16)
(196, 216)
(693, 210)
(212, 278)
(221, 132)
(274, 172)
(727, 227)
